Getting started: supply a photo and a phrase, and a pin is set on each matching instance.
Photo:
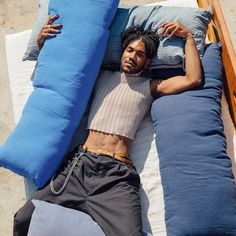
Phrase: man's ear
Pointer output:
(147, 64)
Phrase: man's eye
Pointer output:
(140, 55)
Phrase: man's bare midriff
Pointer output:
(108, 142)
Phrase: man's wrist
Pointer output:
(189, 34)
(188, 37)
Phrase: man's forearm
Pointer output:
(192, 60)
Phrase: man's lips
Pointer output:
(130, 63)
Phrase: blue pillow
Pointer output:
(170, 52)
(198, 184)
(67, 69)
(52, 219)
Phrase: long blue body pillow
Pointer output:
(198, 184)
(67, 69)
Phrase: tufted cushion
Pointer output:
(198, 184)
(67, 69)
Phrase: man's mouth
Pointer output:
(130, 63)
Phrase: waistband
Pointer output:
(77, 154)
(116, 156)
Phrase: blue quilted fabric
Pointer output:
(198, 184)
(67, 69)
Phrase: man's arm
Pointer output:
(193, 75)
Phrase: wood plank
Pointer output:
(211, 32)
(229, 11)
(218, 29)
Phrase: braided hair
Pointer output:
(150, 39)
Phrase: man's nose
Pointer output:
(132, 56)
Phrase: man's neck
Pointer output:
(132, 74)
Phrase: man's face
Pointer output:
(134, 58)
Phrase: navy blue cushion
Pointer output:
(67, 69)
(198, 184)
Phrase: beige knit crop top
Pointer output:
(120, 103)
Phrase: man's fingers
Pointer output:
(168, 29)
(161, 25)
(51, 19)
(165, 23)
(55, 26)
(48, 35)
(166, 26)
(172, 34)
(51, 30)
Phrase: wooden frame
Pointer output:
(217, 31)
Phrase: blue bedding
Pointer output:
(67, 69)
(198, 184)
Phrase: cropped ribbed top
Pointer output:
(120, 103)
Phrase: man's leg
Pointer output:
(105, 189)
(73, 196)
(113, 197)
(118, 212)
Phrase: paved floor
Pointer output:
(15, 16)
(229, 11)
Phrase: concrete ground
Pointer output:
(15, 16)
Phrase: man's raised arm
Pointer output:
(193, 75)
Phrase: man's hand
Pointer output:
(48, 31)
(175, 29)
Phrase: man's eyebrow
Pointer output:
(140, 51)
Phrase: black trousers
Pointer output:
(104, 188)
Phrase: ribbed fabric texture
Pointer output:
(120, 104)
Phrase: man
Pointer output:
(99, 178)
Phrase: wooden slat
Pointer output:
(218, 29)
(211, 32)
